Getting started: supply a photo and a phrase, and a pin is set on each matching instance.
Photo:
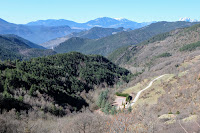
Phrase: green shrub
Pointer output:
(190, 47)
(107, 108)
(129, 109)
(58, 111)
(156, 38)
(128, 98)
(102, 99)
(113, 110)
(122, 94)
(6, 94)
(103, 103)
(21, 98)
(177, 112)
(32, 89)
(177, 65)
(138, 73)
(164, 55)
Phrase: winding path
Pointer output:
(138, 94)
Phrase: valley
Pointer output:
(100, 79)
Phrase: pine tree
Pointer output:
(6, 83)
(100, 99)
(113, 110)
(103, 103)
(32, 89)
(106, 109)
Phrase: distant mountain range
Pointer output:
(104, 46)
(93, 33)
(105, 22)
(36, 34)
(42, 31)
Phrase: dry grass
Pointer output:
(139, 86)
(151, 95)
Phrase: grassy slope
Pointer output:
(179, 91)
(151, 95)
(179, 40)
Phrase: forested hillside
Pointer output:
(53, 84)
(14, 47)
(73, 44)
(32, 45)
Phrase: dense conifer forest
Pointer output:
(58, 79)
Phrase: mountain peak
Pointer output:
(112, 19)
(105, 22)
(188, 19)
(122, 19)
(104, 19)
(3, 21)
(119, 18)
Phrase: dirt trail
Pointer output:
(138, 94)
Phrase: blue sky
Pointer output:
(23, 11)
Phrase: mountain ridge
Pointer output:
(93, 33)
(36, 34)
(105, 22)
(104, 46)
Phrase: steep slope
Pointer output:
(56, 81)
(98, 32)
(93, 33)
(73, 44)
(36, 34)
(173, 100)
(106, 45)
(158, 47)
(177, 54)
(14, 47)
(105, 22)
(32, 45)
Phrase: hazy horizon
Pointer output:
(84, 21)
(23, 11)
